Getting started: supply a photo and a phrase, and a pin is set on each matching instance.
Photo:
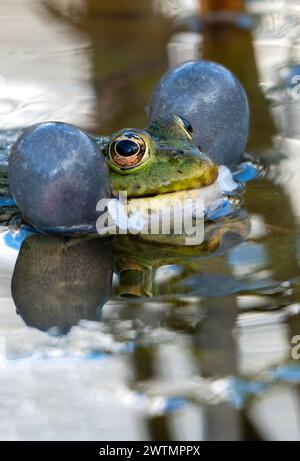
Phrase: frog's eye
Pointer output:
(128, 152)
(186, 125)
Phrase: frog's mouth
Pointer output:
(137, 213)
(174, 200)
(201, 185)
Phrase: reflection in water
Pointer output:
(58, 282)
(163, 270)
(194, 343)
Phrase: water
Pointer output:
(203, 351)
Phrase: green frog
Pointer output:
(159, 160)
(58, 175)
(160, 170)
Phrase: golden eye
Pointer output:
(186, 125)
(128, 151)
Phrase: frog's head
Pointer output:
(158, 160)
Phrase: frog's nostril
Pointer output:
(178, 154)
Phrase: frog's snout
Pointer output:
(208, 170)
(209, 173)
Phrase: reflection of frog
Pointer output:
(59, 281)
(137, 261)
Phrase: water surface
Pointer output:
(203, 349)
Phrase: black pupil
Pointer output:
(187, 125)
(126, 148)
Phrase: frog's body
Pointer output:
(160, 163)
(57, 173)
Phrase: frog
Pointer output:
(160, 159)
(159, 169)
(58, 173)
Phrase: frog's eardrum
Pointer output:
(57, 174)
(213, 100)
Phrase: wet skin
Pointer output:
(161, 159)
(158, 160)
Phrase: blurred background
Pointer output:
(203, 351)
